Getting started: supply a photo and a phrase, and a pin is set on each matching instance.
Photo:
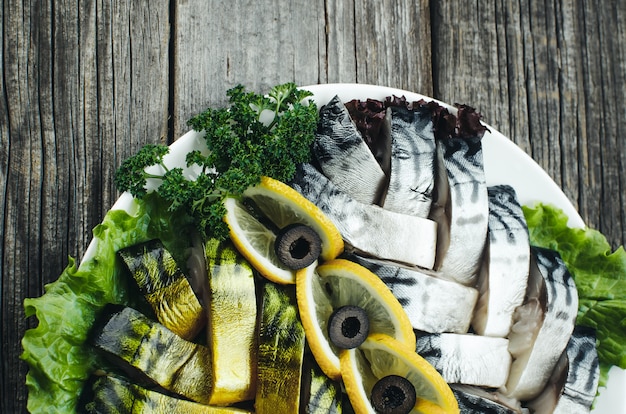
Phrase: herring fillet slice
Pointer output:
(370, 228)
(433, 305)
(476, 400)
(552, 305)
(573, 384)
(413, 154)
(343, 155)
(461, 208)
(467, 358)
(504, 273)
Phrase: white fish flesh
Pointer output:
(504, 273)
(433, 305)
(344, 157)
(461, 208)
(542, 325)
(413, 155)
(466, 358)
(370, 229)
(573, 384)
(476, 400)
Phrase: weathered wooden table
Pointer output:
(86, 83)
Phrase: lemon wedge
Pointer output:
(338, 283)
(381, 356)
(283, 206)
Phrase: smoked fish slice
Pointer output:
(139, 345)
(343, 155)
(504, 274)
(165, 288)
(413, 162)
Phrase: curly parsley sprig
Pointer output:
(257, 135)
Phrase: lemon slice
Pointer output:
(335, 284)
(380, 356)
(283, 206)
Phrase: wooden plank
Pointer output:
(547, 76)
(319, 41)
(393, 44)
(21, 227)
(85, 84)
(258, 44)
(602, 181)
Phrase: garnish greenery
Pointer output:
(258, 135)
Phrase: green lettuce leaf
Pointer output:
(55, 350)
(600, 277)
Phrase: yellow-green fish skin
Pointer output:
(232, 323)
(175, 364)
(165, 288)
(281, 352)
(115, 395)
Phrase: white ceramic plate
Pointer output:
(505, 163)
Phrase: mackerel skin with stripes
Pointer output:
(466, 358)
(320, 394)
(551, 305)
(433, 305)
(344, 157)
(475, 400)
(574, 382)
(504, 273)
(370, 229)
(461, 209)
(413, 157)
(132, 341)
(165, 287)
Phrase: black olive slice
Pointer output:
(297, 246)
(348, 327)
(393, 395)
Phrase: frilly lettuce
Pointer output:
(58, 359)
(600, 277)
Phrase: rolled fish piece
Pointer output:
(369, 228)
(573, 384)
(466, 358)
(461, 209)
(506, 263)
(344, 157)
(320, 394)
(432, 304)
(476, 400)
(542, 326)
(413, 162)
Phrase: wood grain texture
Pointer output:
(258, 44)
(86, 83)
(393, 44)
(549, 75)
(84, 86)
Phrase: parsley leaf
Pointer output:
(257, 135)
